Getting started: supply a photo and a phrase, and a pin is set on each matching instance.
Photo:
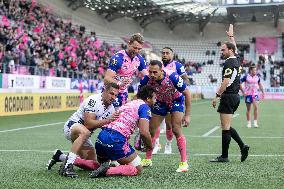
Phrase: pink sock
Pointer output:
(149, 152)
(89, 165)
(169, 134)
(181, 143)
(125, 170)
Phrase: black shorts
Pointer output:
(229, 103)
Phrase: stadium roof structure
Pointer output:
(174, 12)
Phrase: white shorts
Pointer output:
(67, 133)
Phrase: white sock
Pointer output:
(62, 157)
(115, 163)
(163, 125)
(169, 141)
(248, 122)
(157, 141)
(71, 159)
(255, 122)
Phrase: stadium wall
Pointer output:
(20, 104)
(158, 29)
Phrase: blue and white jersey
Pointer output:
(92, 104)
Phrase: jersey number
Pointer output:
(240, 70)
(180, 82)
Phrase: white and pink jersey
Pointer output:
(251, 84)
(125, 67)
(130, 113)
(175, 66)
(167, 90)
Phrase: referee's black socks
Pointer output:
(237, 138)
(226, 139)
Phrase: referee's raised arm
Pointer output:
(231, 37)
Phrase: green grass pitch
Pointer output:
(25, 151)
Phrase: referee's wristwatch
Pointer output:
(218, 95)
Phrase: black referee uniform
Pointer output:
(230, 98)
(229, 103)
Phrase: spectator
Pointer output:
(212, 79)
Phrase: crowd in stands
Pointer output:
(276, 73)
(34, 41)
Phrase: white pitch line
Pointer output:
(253, 137)
(198, 103)
(235, 115)
(192, 136)
(196, 154)
(211, 131)
(216, 127)
(45, 125)
(31, 127)
(252, 155)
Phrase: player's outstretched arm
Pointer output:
(143, 125)
(92, 123)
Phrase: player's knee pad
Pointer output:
(136, 162)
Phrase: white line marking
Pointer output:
(198, 103)
(235, 115)
(196, 154)
(31, 127)
(192, 136)
(258, 137)
(252, 155)
(211, 131)
(216, 127)
(45, 125)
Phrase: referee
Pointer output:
(229, 98)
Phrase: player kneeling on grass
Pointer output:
(112, 143)
(96, 111)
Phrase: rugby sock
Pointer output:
(157, 142)
(89, 165)
(226, 138)
(125, 170)
(71, 159)
(181, 143)
(236, 137)
(169, 134)
(62, 157)
(114, 163)
(150, 152)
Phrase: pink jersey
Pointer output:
(125, 67)
(170, 88)
(175, 66)
(130, 113)
(251, 84)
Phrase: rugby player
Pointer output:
(123, 67)
(171, 94)
(112, 143)
(96, 111)
(250, 91)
